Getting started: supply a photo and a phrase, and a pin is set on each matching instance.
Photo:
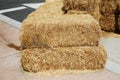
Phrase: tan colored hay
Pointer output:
(107, 22)
(81, 5)
(91, 6)
(60, 31)
(108, 6)
(69, 58)
(96, 11)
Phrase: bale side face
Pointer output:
(70, 58)
(107, 22)
(60, 31)
(108, 6)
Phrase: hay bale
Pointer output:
(107, 22)
(60, 31)
(69, 58)
(91, 6)
(108, 6)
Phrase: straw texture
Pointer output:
(90, 6)
(110, 10)
(107, 22)
(60, 31)
(69, 58)
(108, 6)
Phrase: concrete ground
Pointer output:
(10, 68)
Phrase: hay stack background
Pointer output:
(108, 6)
(90, 6)
(60, 31)
(109, 10)
(107, 22)
(69, 58)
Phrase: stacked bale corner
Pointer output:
(98, 9)
(111, 8)
(69, 58)
(90, 6)
(53, 40)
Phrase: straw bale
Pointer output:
(107, 22)
(91, 6)
(60, 31)
(108, 6)
(69, 58)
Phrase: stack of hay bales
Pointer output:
(109, 15)
(51, 40)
